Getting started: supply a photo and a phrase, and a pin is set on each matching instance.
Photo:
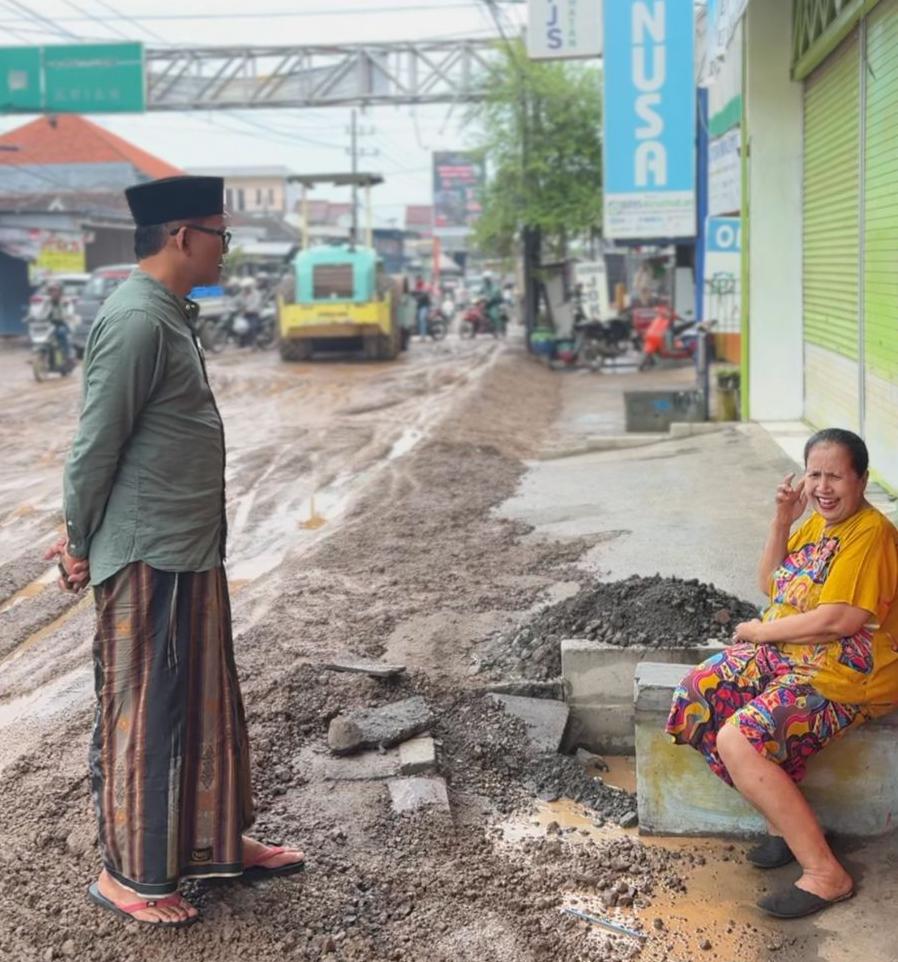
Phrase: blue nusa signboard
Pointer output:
(649, 142)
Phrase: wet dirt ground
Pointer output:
(361, 501)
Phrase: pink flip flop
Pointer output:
(255, 869)
(127, 911)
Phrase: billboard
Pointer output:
(458, 178)
(564, 28)
(649, 129)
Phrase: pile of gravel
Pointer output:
(652, 612)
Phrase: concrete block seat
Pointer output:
(598, 687)
(852, 784)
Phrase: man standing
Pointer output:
(146, 527)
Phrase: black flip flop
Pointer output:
(127, 912)
(796, 903)
(772, 852)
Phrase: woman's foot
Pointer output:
(176, 908)
(254, 855)
(833, 884)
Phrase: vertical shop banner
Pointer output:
(725, 173)
(649, 105)
(458, 178)
(564, 29)
(723, 267)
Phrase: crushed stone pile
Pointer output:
(653, 612)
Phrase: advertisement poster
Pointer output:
(458, 178)
(649, 133)
(564, 29)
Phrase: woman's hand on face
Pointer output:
(790, 502)
(748, 631)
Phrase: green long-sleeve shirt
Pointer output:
(145, 477)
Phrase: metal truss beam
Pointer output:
(229, 78)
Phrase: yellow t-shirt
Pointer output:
(854, 562)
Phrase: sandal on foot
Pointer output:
(772, 852)
(127, 911)
(796, 903)
(254, 868)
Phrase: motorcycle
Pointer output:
(476, 320)
(47, 354)
(670, 337)
(437, 323)
(597, 341)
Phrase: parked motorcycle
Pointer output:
(670, 337)
(47, 354)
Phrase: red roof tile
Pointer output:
(72, 139)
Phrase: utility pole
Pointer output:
(354, 150)
(355, 153)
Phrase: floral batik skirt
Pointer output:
(767, 693)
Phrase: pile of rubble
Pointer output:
(651, 612)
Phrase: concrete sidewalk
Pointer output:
(698, 507)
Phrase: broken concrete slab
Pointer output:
(364, 666)
(417, 755)
(365, 766)
(545, 718)
(379, 727)
(528, 689)
(410, 794)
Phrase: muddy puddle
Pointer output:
(714, 918)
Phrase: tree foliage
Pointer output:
(540, 132)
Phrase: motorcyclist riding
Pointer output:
(250, 302)
(55, 312)
(492, 295)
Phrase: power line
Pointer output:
(152, 34)
(276, 14)
(34, 17)
(95, 19)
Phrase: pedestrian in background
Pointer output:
(146, 528)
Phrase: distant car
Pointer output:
(72, 286)
(103, 281)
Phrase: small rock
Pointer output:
(591, 760)
(706, 945)
(553, 828)
(68, 948)
(343, 735)
(629, 820)
(49, 955)
(658, 924)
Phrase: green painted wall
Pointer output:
(881, 189)
(832, 203)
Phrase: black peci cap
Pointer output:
(175, 198)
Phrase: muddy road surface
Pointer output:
(361, 503)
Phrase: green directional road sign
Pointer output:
(94, 78)
(21, 90)
(78, 78)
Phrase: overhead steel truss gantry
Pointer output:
(230, 78)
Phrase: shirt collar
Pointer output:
(187, 308)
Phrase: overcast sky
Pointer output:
(304, 141)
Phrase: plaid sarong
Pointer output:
(169, 758)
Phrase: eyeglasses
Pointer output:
(220, 232)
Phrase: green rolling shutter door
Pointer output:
(831, 239)
(881, 241)
(881, 201)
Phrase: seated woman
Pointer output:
(822, 659)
